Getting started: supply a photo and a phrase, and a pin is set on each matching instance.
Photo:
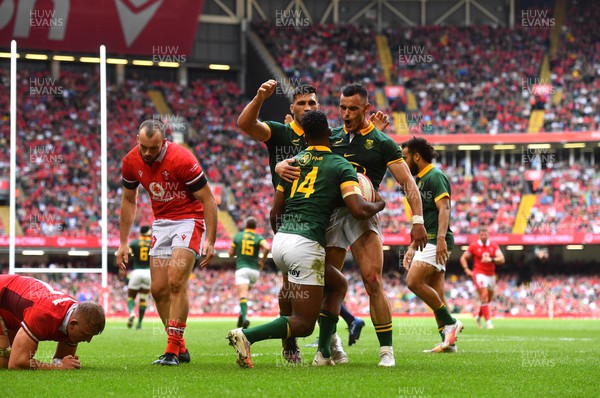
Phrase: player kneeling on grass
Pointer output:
(426, 268)
(300, 216)
(32, 311)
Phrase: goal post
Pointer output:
(103, 269)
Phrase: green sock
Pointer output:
(243, 308)
(130, 304)
(277, 329)
(142, 311)
(384, 334)
(442, 315)
(327, 326)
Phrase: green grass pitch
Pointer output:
(520, 358)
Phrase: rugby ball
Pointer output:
(366, 187)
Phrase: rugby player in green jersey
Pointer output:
(139, 277)
(371, 152)
(246, 247)
(300, 216)
(426, 267)
(284, 141)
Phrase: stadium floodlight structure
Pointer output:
(104, 179)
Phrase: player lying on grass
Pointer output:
(300, 215)
(32, 311)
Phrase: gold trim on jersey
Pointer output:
(297, 129)
(426, 170)
(364, 131)
(268, 128)
(318, 148)
(441, 196)
(396, 161)
(280, 188)
(249, 230)
(348, 184)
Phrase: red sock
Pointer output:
(175, 332)
(485, 310)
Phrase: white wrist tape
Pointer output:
(418, 220)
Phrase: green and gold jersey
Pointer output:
(247, 248)
(433, 186)
(140, 249)
(370, 152)
(310, 200)
(286, 141)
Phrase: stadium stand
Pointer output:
(213, 292)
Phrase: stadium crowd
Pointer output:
(213, 292)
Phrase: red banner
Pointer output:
(92, 242)
(164, 29)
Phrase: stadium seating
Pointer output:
(213, 292)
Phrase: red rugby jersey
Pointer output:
(478, 250)
(170, 181)
(34, 305)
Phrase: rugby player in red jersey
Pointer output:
(32, 311)
(486, 255)
(184, 209)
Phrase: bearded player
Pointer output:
(184, 209)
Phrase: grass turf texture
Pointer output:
(520, 358)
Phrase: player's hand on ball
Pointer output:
(380, 120)
(122, 257)
(286, 171)
(266, 89)
(70, 362)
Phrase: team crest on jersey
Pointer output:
(166, 175)
(140, 172)
(369, 144)
(304, 159)
(183, 236)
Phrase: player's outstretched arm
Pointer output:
(205, 196)
(401, 173)
(277, 209)
(23, 350)
(128, 208)
(358, 206)
(248, 119)
(464, 262)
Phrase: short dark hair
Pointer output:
(153, 125)
(422, 147)
(93, 315)
(251, 223)
(303, 90)
(355, 88)
(145, 229)
(315, 125)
